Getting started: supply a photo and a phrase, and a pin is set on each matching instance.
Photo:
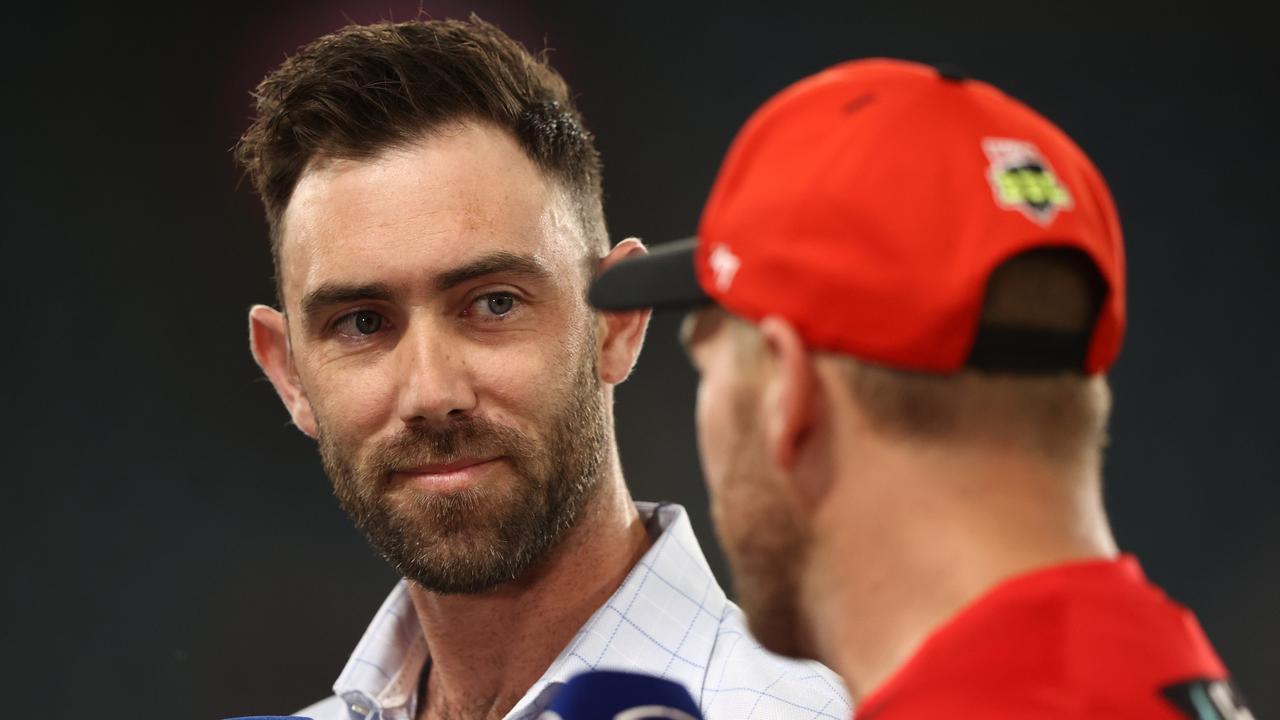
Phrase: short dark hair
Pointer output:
(365, 88)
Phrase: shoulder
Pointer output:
(1090, 640)
(1037, 702)
(745, 681)
(330, 708)
(1009, 706)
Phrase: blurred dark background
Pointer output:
(173, 549)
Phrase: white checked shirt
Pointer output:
(669, 618)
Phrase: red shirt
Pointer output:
(1082, 640)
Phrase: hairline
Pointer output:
(561, 189)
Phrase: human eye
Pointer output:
(359, 324)
(494, 306)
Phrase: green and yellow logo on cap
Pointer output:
(1021, 179)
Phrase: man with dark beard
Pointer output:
(434, 207)
(467, 540)
(908, 289)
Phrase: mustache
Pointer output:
(471, 437)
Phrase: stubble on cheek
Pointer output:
(473, 539)
(763, 535)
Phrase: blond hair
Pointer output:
(1061, 416)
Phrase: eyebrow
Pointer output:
(499, 262)
(336, 294)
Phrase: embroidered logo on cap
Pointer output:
(724, 265)
(1022, 180)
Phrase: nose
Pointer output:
(435, 382)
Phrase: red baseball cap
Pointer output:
(870, 203)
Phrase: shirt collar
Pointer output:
(661, 621)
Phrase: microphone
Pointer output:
(270, 717)
(614, 695)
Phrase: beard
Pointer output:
(765, 540)
(490, 533)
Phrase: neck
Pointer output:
(911, 535)
(488, 649)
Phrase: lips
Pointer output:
(440, 468)
(455, 475)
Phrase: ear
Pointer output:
(269, 343)
(619, 335)
(788, 398)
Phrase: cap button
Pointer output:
(950, 72)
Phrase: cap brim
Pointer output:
(665, 279)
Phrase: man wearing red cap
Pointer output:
(908, 288)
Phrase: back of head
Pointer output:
(928, 284)
(367, 88)
(1038, 305)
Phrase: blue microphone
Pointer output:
(613, 695)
